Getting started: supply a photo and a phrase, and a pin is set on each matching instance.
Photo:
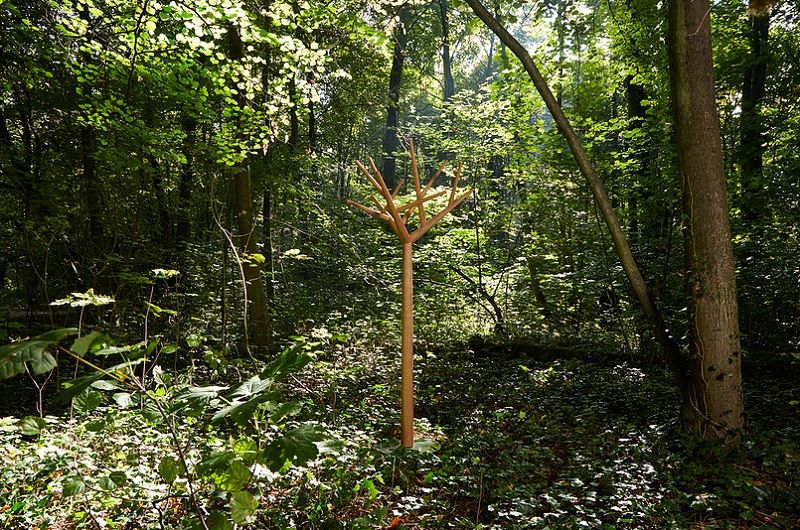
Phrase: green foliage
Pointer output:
(14, 357)
(31, 425)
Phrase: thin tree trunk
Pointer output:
(538, 294)
(636, 113)
(183, 226)
(653, 314)
(713, 408)
(449, 85)
(164, 217)
(391, 142)
(752, 131)
(268, 251)
(258, 304)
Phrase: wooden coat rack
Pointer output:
(397, 217)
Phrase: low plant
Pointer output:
(214, 478)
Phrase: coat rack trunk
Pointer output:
(397, 217)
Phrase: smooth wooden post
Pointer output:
(391, 214)
(407, 351)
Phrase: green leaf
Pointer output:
(242, 411)
(243, 505)
(31, 425)
(113, 480)
(218, 521)
(123, 399)
(164, 274)
(76, 386)
(289, 361)
(215, 464)
(87, 401)
(87, 298)
(96, 426)
(426, 446)
(194, 398)
(13, 357)
(83, 344)
(104, 384)
(237, 476)
(73, 485)
(285, 410)
(194, 340)
(169, 468)
(296, 447)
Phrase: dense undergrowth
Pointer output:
(505, 440)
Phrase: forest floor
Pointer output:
(506, 440)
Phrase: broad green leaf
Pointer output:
(237, 476)
(426, 446)
(252, 387)
(289, 361)
(87, 401)
(169, 468)
(76, 386)
(14, 356)
(83, 344)
(73, 485)
(160, 376)
(123, 399)
(242, 411)
(295, 447)
(193, 340)
(104, 384)
(164, 274)
(31, 425)
(285, 410)
(84, 299)
(243, 505)
(113, 480)
(194, 398)
(96, 426)
(218, 521)
(217, 463)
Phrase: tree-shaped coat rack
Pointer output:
(398, 217)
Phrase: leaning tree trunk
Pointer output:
(713, 407)
(653, 314)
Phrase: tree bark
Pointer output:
(258, 305)
(713, 408)
(447, 73)
(391, 142)
(653, 314)
(752, 131)
(183, 226)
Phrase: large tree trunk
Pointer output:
(713, 407)
(258, 305)
(391, 142)
(638, 285)
(752, 133)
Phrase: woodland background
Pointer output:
(155, 157)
